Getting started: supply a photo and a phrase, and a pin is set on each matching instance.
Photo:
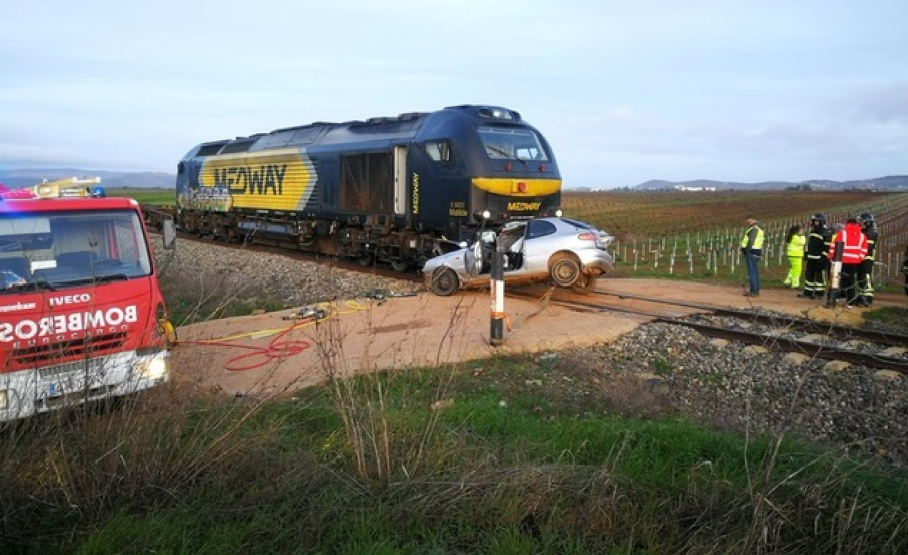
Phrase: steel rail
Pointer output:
(793, 345)
(774, 342)
(790, 322)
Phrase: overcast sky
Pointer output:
(625, 91)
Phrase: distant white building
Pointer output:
(686, 188)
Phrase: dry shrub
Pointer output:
(379, 447)
(78, 465)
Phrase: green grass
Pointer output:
(509, 460)
(891, 316)
(157, 197)
(506, 455)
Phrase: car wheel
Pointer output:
(444, 282)
(565, 271)
(584, 284)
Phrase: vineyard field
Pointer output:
(697, 233)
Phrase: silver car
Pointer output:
(564, 251)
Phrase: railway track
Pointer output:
(779, 332)
(282, 249)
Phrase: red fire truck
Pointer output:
(82, 317)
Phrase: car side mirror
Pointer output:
(169, 233)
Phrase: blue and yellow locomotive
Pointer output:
(385, 189)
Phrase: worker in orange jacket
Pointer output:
(847, 250)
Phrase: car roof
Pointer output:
(554, 220)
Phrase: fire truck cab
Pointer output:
(82, 316)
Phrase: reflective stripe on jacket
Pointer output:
(818, 242)
(854, 244)
(872, 237)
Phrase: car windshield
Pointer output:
(511, 144)
(61, 249)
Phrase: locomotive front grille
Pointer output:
(46, 354)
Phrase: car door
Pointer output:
(510, 241)
(539, 244)
(477, 254)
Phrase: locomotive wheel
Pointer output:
(365, 260)
(445, 282)
(565, 271)
(399, 266)
(584, 284)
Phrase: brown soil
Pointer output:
(273, 353)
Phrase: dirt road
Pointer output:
(273, 353)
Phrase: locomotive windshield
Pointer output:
(511, 144)
(61, 249)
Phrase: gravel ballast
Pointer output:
(676, 370)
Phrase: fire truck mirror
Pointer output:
(169, 232)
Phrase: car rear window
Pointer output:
(575, 223)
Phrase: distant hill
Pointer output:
(15, 179)
(888, 183)
(160, 180)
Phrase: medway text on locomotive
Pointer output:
(388, 189)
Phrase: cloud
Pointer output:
(881, 104)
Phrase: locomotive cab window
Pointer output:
(439, 151)
(504, 143)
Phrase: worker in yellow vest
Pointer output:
(795, 241)
(752, 248)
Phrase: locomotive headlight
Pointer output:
(559, 212)
(485, 214)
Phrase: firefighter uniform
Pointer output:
(816, 254)
(865, 272)
(905, 270)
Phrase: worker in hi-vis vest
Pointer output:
(794, 251)
(752, 248)
(847, 251)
